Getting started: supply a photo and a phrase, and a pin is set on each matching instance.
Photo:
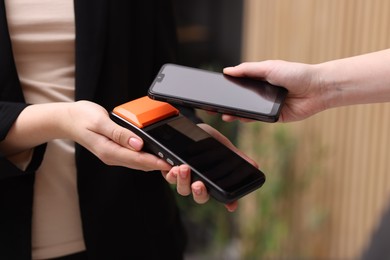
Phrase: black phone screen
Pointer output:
(211, 159)
(218, 92)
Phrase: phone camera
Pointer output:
(160, 77)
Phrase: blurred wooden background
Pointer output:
(343, 154)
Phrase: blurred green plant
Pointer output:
(210, 226)
(268, 225)
(270, 230)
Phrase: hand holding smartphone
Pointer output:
(176, 139)
(213, 91)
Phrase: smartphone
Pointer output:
(176, 139)
(213, 91)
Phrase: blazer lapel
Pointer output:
(91, 29)
(10, 89)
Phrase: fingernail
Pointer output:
(174, 171)
(198, 191)
(229, 209)
(183, 173)
(135, 143)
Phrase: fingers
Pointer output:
(181, 176)
(249, 69)
(122, 136)
(112, 153)
(233, 71)
(245, 69)
(199, 192)
(230, 118)
(231, 207)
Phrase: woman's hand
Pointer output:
(305, 97)
(92, 128)
(312, 88)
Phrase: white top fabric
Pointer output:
(43, 38)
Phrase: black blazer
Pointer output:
(120, 45)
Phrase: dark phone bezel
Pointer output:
(272, 117)
(155, 147)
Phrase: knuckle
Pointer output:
(138, 159)
(105, 157)
(117, 135)
(183, 192)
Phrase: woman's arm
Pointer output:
(356, 80)
(85, 123)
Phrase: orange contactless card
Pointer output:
(145, 111)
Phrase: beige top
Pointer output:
(43, 36)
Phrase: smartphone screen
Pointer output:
(217, 92)
(224, 168)
(178, 140)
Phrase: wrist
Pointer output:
(330, 85)
(36, 124)
(48, 121)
